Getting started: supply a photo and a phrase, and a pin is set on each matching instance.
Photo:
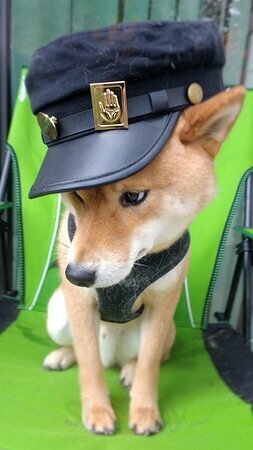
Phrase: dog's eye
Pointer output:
(77, 196)
(133, 198)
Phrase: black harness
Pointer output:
(115, 302)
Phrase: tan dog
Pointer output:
(178, 183)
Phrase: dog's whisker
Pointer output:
(140, 264)
(62, 243)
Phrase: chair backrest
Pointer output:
(38, 219)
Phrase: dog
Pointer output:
(116, 225)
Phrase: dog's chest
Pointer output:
(119, 342)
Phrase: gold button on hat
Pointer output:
(47, 125)
(195, 93)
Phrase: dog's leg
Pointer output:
(158, 320)
(169, 342)
(59, 331)
(128, 370)
(127, 373)
(97, 413)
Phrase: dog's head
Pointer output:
(119, 223)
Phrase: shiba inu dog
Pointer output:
(115, 226)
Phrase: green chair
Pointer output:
(40, 409)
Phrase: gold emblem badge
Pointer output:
(109, 105)
(47, 125)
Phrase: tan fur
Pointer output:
(183, 171)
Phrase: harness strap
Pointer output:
(115, 302)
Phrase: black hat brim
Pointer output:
(102, 157)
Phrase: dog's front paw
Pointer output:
(99, 419)
(145, 420)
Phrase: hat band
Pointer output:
(140, 107)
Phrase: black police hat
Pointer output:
(107, 100)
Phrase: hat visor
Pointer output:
(102, 157)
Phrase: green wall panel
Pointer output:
(93, 14)
(236, 41)
(33, 24)
(189, 10)
(164, 10)
(136, 10)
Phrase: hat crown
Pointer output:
(134, 52)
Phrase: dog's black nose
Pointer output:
(80, 275)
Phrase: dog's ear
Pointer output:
(209, 122)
